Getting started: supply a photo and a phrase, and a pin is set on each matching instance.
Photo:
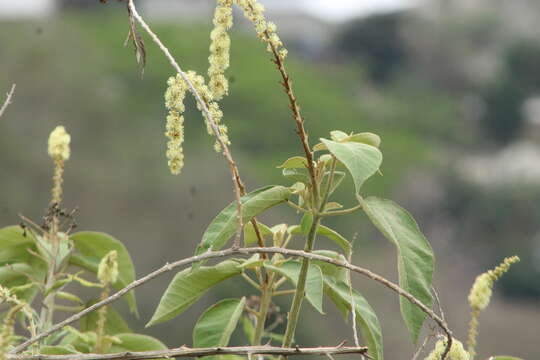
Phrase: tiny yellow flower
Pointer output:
(59, 140)
(457, 352)
(108, 268)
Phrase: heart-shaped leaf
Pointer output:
(360, 159)
(415, 256)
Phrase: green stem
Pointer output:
(342, 212)
(329, 185)
(292, 320)
(266, 300)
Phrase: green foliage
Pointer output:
(216, 325)
(91, 247)
(188, 286)
(340, 293)
(314, 282)
(224, 225)
(41, 258)
(415, 257)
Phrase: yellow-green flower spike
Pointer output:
(108, 268)
(220, 49)
(174, 101)
(266, 31)
(59, 141)
(457, 352)
(480, 296)
(59, 150)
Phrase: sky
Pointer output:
(341, 10)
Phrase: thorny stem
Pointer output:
(200, 352)
(243, 251)
(299, 120)
(296, 305)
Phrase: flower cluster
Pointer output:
(59, 141)
(481, 290)
(266, 31)
(174, 101)
(219, 49)
(108, 268)
(457, 352)
(59, 151)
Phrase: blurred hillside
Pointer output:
(454, 98)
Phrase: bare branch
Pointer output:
(243, 251)
(197, 352)
(8, 100)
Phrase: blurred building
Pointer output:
(20, 9)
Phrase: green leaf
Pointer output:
(299, 175)
(366, 319)
(216, 325)
(306, 222)
(188, 286)
(57, 350)
(136, 342)
(114, 324)
(415, 256)
(14, 245)
(327, 232)
(92, 246)
(338, 135)
(248, 328)
(366, 138)
(361, 160)
(330, 270)
(294, 162)
(314, 282)
(224, 225)
(250, 237)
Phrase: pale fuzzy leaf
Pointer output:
(250, 236)
(361, 160)
(366, 138)
(294, 163)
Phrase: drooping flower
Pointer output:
(108, 268)
(219, 49)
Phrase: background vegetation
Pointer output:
(455, 108)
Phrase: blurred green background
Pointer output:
(453, 90)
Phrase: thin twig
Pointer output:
(8, 100)
(244, 251)
(197, 352)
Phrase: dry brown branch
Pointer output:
(197, 352)
(243, 251)
(8, 100)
